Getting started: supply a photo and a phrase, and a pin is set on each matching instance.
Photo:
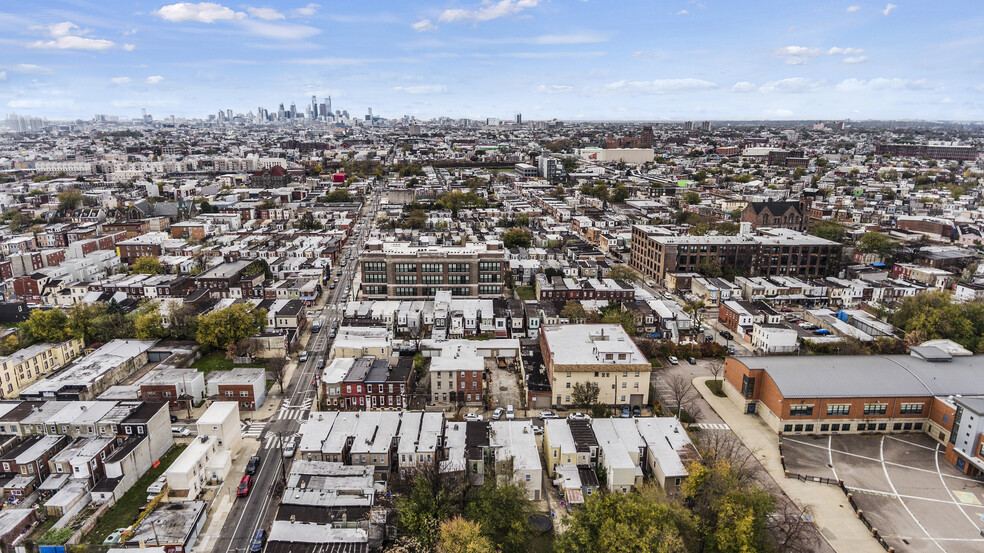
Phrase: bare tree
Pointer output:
(716, 369)
(790, 528)
(683, 394)
(724, 445)
(278, 370)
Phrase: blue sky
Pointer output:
(570, 59)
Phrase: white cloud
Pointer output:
(856, 59)
(268, 14)
(487, 11)
(280, 31)
(888, 8)
(779, 112)
(797, 51)
(553, 88)
(882, 83)
(572, 38)
(306, 11)
(792, 85)
(852, 9)
(26, 103)
(796, 60)
(65, 28)
(120, 80)
(30, 68)
(3, 75)
(73, 43)
(423, 26)
(682, 12)
(129, 47)
(422, 89)
(659, 86)
(202, 12)
(743, 86)
(154, 79)
(837, 51)
(643, 55)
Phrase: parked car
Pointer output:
(331, 286)
(537, 429)
(708, 338)
(544, 415)
(259, 539)
(510, 413)
(726, 335)
(673, 360)
(579, 416)
(244, 485)
(289, 448)
(180, 431)
(691, 360)
(626, 412)
(636, 411)
(650, 283)
(174, 419)
(252, 465)
(303, 357)
(472, 417)
(786, 310)
(321, 363)
(731, 350)
(497, 414)
(158, 485)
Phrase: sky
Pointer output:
(565, 59)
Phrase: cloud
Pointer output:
(487, 11)
(837, 51)
(743, 86)
(792, 85)
(553, 88)
(268, 14)
(129, 47)
(659, 86)
(154, 79)
(26, 103)
(779, 112)
(643, 55)
(30, 68)
(572, 38)
(120, 80)
(882, 83)
(796, 60)
(423, 26)
(888, 8)
(422, 89)
(682, 12)
(306, 11)
(852, 9)
(3, 75)
(202, 12)
(280, 31)
(68, 36)
(797, 51)
(856, 59)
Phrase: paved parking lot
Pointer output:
(916, 499)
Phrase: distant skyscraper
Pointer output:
(281, 113)
(688, 126)
(329, 105)
(705, 126)
(314, 105)
(293, 109)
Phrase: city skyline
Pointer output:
(566, 60)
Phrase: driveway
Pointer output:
(504, 388)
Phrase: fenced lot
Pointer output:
(917, 501)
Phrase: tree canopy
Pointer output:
(147, 265)
(218, 329)
(933, 315)
(517, 238)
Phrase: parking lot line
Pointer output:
(830, 456)
(896, 492)
(936, 456)
(907, 442)
(897, 496)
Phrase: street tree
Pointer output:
(584, 394)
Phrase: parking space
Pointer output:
(917, 500)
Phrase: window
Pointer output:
(458, 267)
(527, 477)
(489, 266)
(747, 386)
(406, 279)
(374, 266)
(374, 277)
(800, 410)
(838, 410)
(228, 393)
(458, 279)
(374, 290)
(430, 267)
(787, 428)
(911, 409)
(488, 277)
(432, 279)
(875, 408)
(243, 393)
(400, 291)
(487, 290)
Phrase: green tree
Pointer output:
(149, 325)
(218, 329)
(710, 268)
(829, 230)
(426, 498)
(570, 165)
(876, 242)
(620, 194)
(623, 272)
(147, 265)
(502, 510)
(933, 315)
(82, 320)
(9, 345)
(517, 238)
(45, 325)
(624, 318)
(584, 394)
(691, 198)
(69, 199)
(573, 311)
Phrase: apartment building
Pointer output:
(28, 365)
(599, 354)
(771, 252)
(402, 270)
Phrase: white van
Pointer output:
(510, 413)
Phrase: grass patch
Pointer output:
(42, 528)
(717, 387)
(217, 361)
(127, 508)
(655, 363)
(526, 292)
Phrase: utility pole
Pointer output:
(283, 465)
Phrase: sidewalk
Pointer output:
(832, 514)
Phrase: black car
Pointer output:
(253, 465)
(636, 411)
(174, 418)
(727, 335)
(691, 360)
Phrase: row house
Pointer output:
(564, 289)
(27, 365)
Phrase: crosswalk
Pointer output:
(713, 426)
(254, 430)
(272, 441)
(293, 415)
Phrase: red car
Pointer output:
(244, 486)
